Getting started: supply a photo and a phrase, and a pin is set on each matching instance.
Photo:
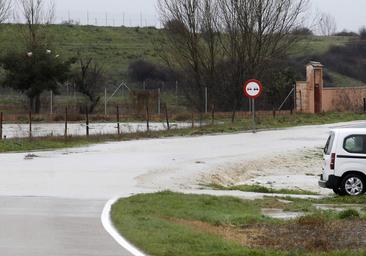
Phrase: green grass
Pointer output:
(223, 126)
(340, 80)
(150, 222)
(262, 189)
(306, 205)
(316, 45)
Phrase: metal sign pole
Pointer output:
(254, 121)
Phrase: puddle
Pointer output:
(280, 214)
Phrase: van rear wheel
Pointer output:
(353, 185)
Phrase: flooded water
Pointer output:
(79, 129)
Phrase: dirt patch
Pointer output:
(306, 234)
(301, 169)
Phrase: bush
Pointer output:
(346, 33)
(349, 214)
(363, 33)
(315, 220)
(302, 31)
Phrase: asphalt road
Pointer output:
(38, 226)
(51, 204)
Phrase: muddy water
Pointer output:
(79, 129)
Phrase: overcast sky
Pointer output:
(350, 14)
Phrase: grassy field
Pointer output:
(221, 126)
(167, 223)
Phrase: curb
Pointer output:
(108, 226)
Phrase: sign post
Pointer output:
(252, 90)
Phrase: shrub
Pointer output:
(315, 220)
(349, 214)
(363, 33)
(346, 33)
(302, 31)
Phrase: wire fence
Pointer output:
(119, 111)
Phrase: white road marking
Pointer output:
(109, 227)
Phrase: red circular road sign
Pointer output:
(253, 88)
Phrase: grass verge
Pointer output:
(222, 126)
(168, 223)
(262, 189)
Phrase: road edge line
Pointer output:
(109, 227)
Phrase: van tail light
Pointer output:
(332, 161)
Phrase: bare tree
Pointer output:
(327, 24)
(4, 10)
(192, 44)
(36, 14)
(221, 43)
(257, 32)
(89, 79)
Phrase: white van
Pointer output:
(344, 167)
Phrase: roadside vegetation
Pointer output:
(262, 189)
(220, 126)
(168, 223)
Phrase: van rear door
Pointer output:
(328, 155)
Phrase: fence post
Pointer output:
(30, 124)
(176, 93)
(87, 121)
(105, 102)
(167, 116)
(118, 125)
(159, 101)
(66, 117)
(206, 100)
(1, 125)
(192, 119)
(51, 101)
(147, 116)
(213, 114)
(364, 105)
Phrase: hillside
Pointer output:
(112, 47)
(116, 47)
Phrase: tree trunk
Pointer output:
(31, 101)
(37, 104)
(234, 111)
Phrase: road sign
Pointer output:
(253, 89)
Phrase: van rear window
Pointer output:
(329, 145)
(355, 144)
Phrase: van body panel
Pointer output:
(348, 146)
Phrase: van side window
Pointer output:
(355, 144)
